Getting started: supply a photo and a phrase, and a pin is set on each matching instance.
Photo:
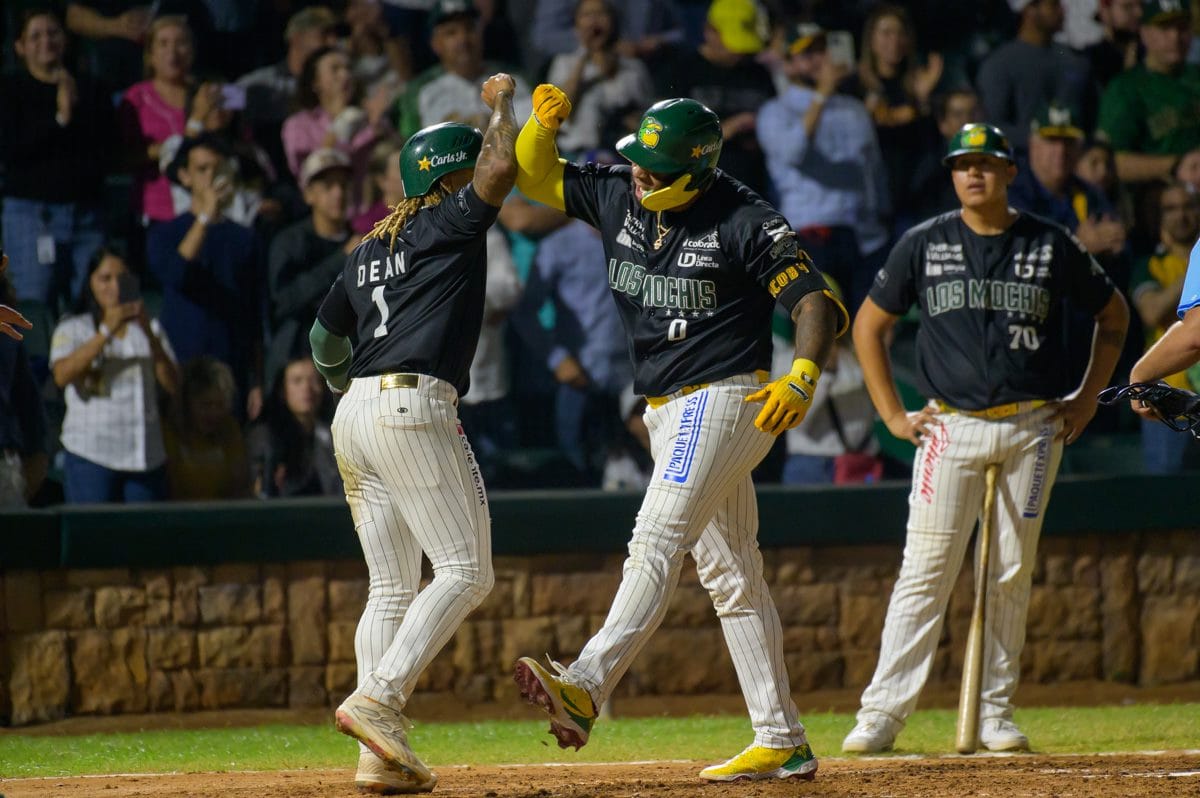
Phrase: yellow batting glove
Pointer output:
(550, 106)
(787, 399)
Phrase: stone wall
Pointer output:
(1125, 609)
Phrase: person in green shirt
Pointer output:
(1151, 113)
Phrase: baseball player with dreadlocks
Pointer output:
(397, 333)
(696, 263)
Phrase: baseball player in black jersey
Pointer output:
(696, 262)
(990, 284)
(397, 333)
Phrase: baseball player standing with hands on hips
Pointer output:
(397, 333)
(696, 263)
(989, 283)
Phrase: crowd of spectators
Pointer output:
(181, 180)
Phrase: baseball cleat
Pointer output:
(757, 762)
(570, 708)
(999, 734)
(375, 777)
(872, 735)
(384, 731)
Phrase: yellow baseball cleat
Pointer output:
(376, 778)
(569, 706)
(757, 763)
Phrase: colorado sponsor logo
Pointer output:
(1037, 486)
(683, 448)
(707, 241)
(934, 445)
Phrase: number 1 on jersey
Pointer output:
(377, 298)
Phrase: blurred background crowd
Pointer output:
(181, 180)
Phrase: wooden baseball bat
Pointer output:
(967, 738)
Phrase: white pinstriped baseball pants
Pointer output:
(413, 486)
(701, 499)
(945, 501)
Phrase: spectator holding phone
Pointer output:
(330, 117)
(57, 131)
(209, 269)
(110, 358)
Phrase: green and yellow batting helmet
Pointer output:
(679, 137)
(436, 151)
(979, 138)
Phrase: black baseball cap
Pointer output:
(1164, 12)
(446, 10)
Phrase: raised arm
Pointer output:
(539, 169)
(496, 167)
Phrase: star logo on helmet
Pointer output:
(424, 164)
(696, 151)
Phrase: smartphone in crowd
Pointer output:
(128, 289)
(839, 44)
(233, 97)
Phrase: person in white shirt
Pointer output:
(109, 358)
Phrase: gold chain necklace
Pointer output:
(662, 231)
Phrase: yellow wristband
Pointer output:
(803, 367)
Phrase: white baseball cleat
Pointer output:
(872, 734)
(375, 777)
(385, 731)
(1001, 734)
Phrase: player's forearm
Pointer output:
(539, 169)
(816, 321)
(1157, 306)
(496, 167)
(1178, 349)
(332, 355)
(1137, 167)
(1107, 341)
(870, 344)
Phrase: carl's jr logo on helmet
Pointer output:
(426, 163)
(648, 134)
(699, 151)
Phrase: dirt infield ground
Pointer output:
(1174, 774)
(1137, 775)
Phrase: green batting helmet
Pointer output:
(435, 151)
(979, 138)
(676, 137)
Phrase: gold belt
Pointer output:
(995, 413)
(398, 381)
(659, 401)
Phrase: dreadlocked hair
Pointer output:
(389, 227)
